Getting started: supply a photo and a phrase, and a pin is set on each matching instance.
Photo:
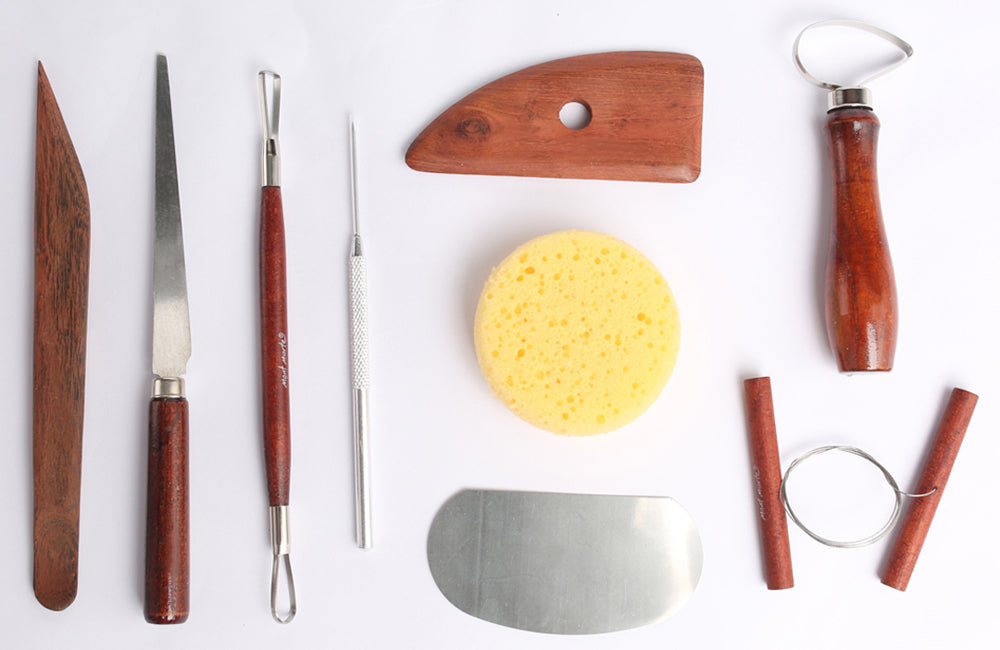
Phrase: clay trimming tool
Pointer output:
(564, 563)
(861, 309)
(62, 262)
(360, 380)
(274, 343)
(644, 108)
(167, 557)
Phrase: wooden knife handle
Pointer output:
(274, 346)
(167, 558)
(767, 484)
(861, 306)
(934, 476)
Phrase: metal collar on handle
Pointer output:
(853, 94)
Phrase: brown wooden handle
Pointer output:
(167, 558)
(861, 306)
(274, 347)
(934, 477)
(767, 484)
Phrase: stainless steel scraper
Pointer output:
(564, 563)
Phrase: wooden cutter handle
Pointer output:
(934, 476)
(861, 309)
(767, 484)
(167, 557)
(274, 346)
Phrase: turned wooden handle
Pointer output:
(861, 307)
(274, 346)
(167, 558)
(934, 476)
(767, 484)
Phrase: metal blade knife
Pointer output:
(167, 558)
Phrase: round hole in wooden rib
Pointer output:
(575, 115)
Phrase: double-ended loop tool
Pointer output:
(274, 343)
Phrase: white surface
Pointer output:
(743, 249)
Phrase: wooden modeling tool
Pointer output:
(933, 479)
(861, 310)
(62, 262)
(767, 484)
(641, 122)
(274, 344)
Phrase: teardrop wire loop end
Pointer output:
(874, 537)
(275, 566)
(270, 110)
(905, 47)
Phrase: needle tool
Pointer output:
(359, 364)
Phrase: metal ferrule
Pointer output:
(280, 540)
(851, 96)
(271, 163)
(168, 387)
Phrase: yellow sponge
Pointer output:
(577, 332)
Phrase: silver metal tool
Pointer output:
(359, 366)
(564, 563)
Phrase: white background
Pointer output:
(743, 249)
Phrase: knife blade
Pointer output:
(62, 261)
(167, 557)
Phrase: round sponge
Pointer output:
(577, 332)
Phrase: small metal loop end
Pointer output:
(275, 566)
(270, 110)
(854, 94)
(280, 547)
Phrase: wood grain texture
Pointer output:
(62, 262)
(861, 308)
(767, 484)
(646, 122)
(934, 476)
(167, 545)
(274, 347)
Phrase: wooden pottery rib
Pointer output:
(645, 125)
(62, 260)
